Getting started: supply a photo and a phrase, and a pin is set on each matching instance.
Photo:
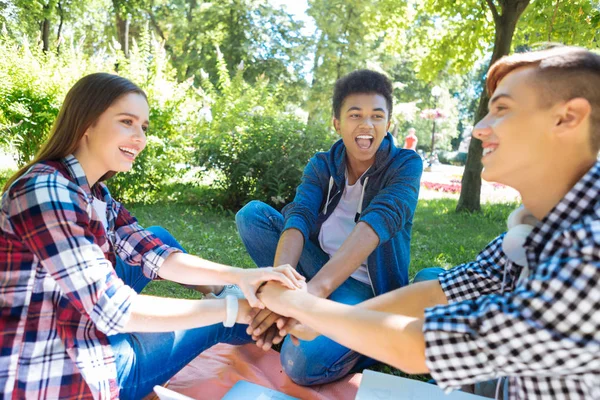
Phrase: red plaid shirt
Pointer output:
(59, 293)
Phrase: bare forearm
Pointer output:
(158, 314)
(355, 249)
(394, 339)
(289, 248)
(411, 300)
(192, 270)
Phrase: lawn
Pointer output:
(440, 238)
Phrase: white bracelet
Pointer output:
(232, 310)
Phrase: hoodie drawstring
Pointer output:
(362, 196)
(328, 193)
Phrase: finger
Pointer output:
(281, 322)
(278, 276)
(298, 275)
(295, 341)
(260, 342)
(278, 339)
(290, 274)
(257, 320)
(269, 335)
(266, 324)
(287, 328)
(253, 300)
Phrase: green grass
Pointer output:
(440, 237)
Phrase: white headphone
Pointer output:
(520, 224)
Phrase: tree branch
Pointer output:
(492, 7)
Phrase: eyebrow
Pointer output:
(496, 98)
(360, 109)
(132, 116)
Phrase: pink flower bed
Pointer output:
(453, 187)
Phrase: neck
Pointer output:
(356, 169)
(543, 192)
(93, 172)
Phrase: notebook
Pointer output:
(378, 386)
(244, 390)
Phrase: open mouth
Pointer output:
(488, 150)
(129, 152)
(364, 141)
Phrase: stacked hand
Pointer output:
(251, 279)
(270, 326)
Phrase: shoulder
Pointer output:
(43, 183)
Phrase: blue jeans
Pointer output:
(144, 360)
(311, 362)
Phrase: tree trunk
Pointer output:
(505, 24)
(122, 29)
(60, 26)
(46, 35)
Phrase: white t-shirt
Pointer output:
(100, 208)
(336, 229)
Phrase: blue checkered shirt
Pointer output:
(543, 332)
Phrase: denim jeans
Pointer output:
(144, 360)
(311, 362)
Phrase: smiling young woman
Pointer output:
(73, 262)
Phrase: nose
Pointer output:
(367, 122)
(482, 129)
(140, 137)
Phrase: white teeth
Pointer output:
(129, 150)
(488, 150)
(364, 137)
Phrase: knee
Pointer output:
(248, 214)
(160, 232)
(428, 274)
(298, 367)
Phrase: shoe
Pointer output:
(232, 290)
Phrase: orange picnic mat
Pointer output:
(216, 370)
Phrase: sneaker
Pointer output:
(233, 290)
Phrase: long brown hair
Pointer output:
(84, 104)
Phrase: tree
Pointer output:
(454, 35)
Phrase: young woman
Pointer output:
(73, 262)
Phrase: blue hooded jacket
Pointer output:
(390, 195)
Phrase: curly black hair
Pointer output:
(361, 81)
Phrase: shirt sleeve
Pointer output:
(547, 327)
(394, 205)
(51, 216)
(137, 246)
(483, 276)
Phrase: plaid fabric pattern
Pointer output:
(59, 293)
(544, 333)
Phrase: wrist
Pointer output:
(319, 289)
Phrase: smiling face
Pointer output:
(363, 124)
(114, 141)
(516, 133)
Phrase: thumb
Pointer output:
(253, 300)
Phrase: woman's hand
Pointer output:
(251, 279)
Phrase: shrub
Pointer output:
(264, 160)
(452, 157)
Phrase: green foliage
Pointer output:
(264, 160)
(257, 150)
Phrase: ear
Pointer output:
(572, 114)
(387, 128)
(336, 125)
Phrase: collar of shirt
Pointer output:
(576, 203)
(78, 174)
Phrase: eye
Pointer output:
(127, 122)
(145, 128)
(354, 115)
(378, 116)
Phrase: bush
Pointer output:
(452, 157)
(33, 86)
(264, 160)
